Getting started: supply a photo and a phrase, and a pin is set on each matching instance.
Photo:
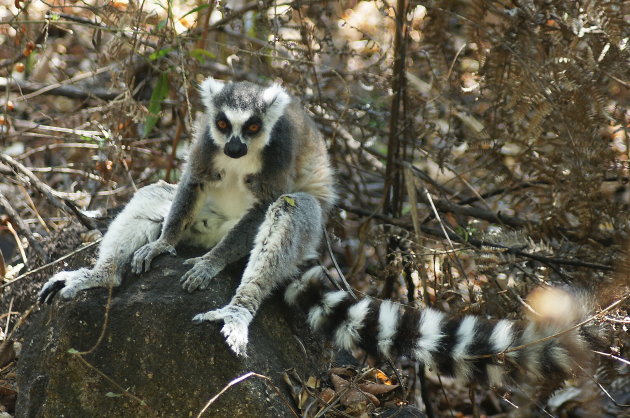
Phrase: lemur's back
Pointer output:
(313, 171)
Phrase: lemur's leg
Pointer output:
(289, 235)
(139, 222)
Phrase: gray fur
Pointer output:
(274, 199)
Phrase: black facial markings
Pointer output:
(278, 154)
(277, 160)
(248, 126)
(223, 124)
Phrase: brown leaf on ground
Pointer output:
(7, 398)
(7, 353)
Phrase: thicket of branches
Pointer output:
(481, 147)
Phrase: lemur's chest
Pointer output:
(229, 195)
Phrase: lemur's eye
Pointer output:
(253, 128)
(222, 124)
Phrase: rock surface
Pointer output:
(152, 349)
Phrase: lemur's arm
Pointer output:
(236, 244)
(188, 199)
(186, 204)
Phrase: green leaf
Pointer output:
(289, 200)
(87, 138)
(113, 395)
(196, 9)
(73, 351)
(155, 103)
(201, 55)
(54, 17)
(159, 54)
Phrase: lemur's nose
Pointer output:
(235, 148)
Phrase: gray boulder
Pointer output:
(152, 350)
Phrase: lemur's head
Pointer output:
(241, 115)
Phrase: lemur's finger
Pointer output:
(50, 290)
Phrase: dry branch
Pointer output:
(476, 242)
(53, 197)
(21, 226)
(59, 90)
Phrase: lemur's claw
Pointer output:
(235, 329)
(49, 291)
(143, 257)
(66, 284)
(200, 275)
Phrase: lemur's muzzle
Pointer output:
(235, 148)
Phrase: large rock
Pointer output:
(152, 349)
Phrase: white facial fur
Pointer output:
(274, 96)
(277, 99)
(209, 88)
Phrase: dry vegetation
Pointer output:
(482, 146)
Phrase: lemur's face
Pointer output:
(241, 116)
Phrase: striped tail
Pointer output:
(468, 348)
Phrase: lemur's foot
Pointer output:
(201, 274)
(66, 283)
(144, 255)
(235, 329)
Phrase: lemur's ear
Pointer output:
(210, 88)
(276, 99)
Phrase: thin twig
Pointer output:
(623, 360)
(32, 205)
(239, 380)
(556, 335)
(476, 242)
(52, 263)
(122, 390)
(19, 224)
(446, 234)
(56, 89)
(602, 388)
(53, 197)
(72, 80)
(18, 242)
(6, 327)
(104, 326)
(348, 288)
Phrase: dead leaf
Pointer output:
(346, 372)
(354, 396)
(376, 388)
(303, 399)
(7, 353)
(338, 382)
(379, 376)
(327, 395)
(7, 398)
(312, 382)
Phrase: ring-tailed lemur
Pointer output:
(259, 179)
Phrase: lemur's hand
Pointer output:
(201, 274)
(144, 255)
(235, 330)
(66, 283)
